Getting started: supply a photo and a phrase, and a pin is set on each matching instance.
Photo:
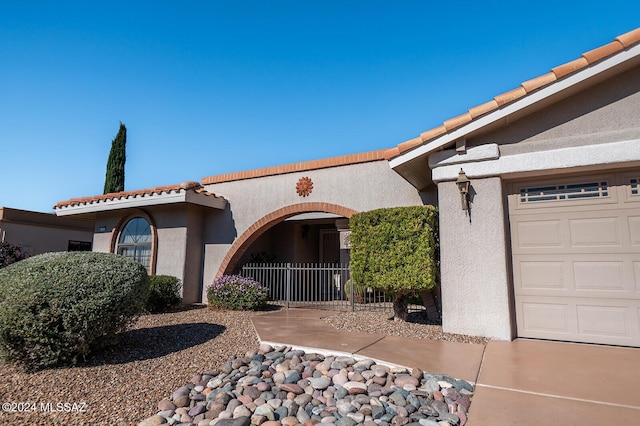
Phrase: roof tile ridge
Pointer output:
(620, 43)
(159, 190)
(630, 38)
(301, 166)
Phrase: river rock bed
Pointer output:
(288, 387)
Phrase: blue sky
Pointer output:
(210, 87)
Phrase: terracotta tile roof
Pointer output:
(158, 190)
(619, 44)
(344, 160)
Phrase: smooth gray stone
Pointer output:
(281, 412)
(296, 352)
(357, 417)
(462, 384)
(448, 417)
(197, 409)
(428, 410)
(344, 407)
(431, 385)
(273, 355)
(302, 416)
(346, 421)
(397, 399)
(240, 421)
(319, 383)
(294, 377)
(184, 390)
(387, 417)
(341, 393)
(441, 407)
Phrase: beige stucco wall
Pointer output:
(37, 239)
(179, 232)
(360, 187)
(474, 269)
(192, 280)
(607, 112)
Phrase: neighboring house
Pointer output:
(37, 233)
(550, 244)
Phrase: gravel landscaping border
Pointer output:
(161, 353)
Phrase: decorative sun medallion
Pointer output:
(304, 186)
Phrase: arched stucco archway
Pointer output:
(238, 248)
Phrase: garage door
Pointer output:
(576, 258)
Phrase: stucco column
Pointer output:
(345, 240)
(474, 269)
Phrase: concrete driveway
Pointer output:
(524, 382)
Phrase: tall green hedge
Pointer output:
(395, 250)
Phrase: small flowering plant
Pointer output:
(236, 292)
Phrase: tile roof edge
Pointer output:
(619, 44)
(196, 187)
(343, 160)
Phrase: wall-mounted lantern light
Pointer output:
(463, 187)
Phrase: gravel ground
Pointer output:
(122, 385)
(416, 326)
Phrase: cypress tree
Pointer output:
(114, 180)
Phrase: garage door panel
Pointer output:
(585, 320)
(539, 233)
(634, 230)
(542, 275)
(598, 275)
(540, 317)
(604, 320)
(576, 259)
(592, 232)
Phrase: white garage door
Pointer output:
(576, 258)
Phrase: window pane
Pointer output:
(135, 241)
(137, 230)
(143, 255)
(127, 251)
(564, 192)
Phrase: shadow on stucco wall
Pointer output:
(220, 228)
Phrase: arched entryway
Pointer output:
(248, 237)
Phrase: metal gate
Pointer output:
(318, 285)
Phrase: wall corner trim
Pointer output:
(613, 154)
(472, 154)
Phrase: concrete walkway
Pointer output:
(524, 382)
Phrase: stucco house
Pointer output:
(548, 247)
(37, 233)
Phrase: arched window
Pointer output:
(135, 241)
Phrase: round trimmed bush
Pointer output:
(164, 292)
(56, 307)
(237, 292)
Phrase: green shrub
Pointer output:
(164, 292)
(395, 250)
(56, 307)
(10, 253)
(236, 292)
